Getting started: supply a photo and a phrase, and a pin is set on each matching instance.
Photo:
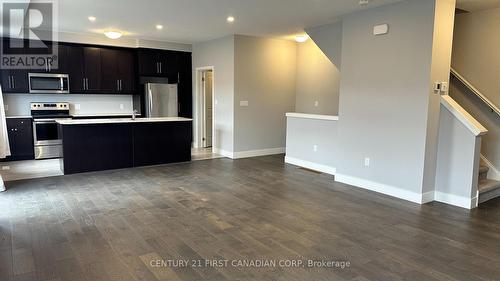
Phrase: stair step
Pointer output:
(483, 169)
(488, 189)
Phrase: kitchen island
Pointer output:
(104, 144)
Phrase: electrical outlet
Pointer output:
(367, 162)
(316, 103)
(121, 106)
(77, 106)
(315, 148)
(244, 103)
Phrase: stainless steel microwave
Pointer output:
(48, 83)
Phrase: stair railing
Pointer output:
(473, 89)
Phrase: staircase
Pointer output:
(488, 188)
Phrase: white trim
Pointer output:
(493, 173)
(256, 153)
(463, 116)
(428, 197)
(455, 200)
(312, 116)
(311, 165)
(222, 152)
(383, 188)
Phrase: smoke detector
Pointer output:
(364, 2)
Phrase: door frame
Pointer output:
(199, 110)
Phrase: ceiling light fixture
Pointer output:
(230, 19)
(159, 26)
(92, 19)
(364, 2)
(113, 34)
(301, 38)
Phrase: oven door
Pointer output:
(45, 132)
(47, 83)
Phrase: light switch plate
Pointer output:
(244, 103)
(316, 103)
(367, 162)
(381, 29)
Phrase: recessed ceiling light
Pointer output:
(230, 19)
(159, 26)
(301, 38)
(112, 34)
(364, 2)
(92, 19)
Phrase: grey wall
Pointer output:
(219, 53)
(19, 104)
(265, 72)
(318, 80)
(475, 51)
(456, 162)
(303, 134)
(329, 38)
(490, 146)
(384, 94)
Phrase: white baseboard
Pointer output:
(222, 152)
(311, 165)
(249, 153)
(459, 201)
(428, 197)
(493, 173)
(383, 188)
(256, 153)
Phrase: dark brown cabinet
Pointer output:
(185, 93)
(20, 132)
(117, 67)
(158, 63)
(14, 80)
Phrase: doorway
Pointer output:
(207, 92)
(205, 141)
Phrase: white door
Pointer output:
(208, 95)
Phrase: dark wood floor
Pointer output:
(112, 225)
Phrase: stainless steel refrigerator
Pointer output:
(161, 100)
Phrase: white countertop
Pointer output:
(122, 120)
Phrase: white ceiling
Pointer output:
(191, 21)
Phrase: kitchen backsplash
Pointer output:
(85, 104)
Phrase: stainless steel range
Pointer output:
(45, 132)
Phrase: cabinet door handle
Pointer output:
(117, 84)
(10, 82)
(121, 88)
(13, 82)
(157, 68)
(160, 68)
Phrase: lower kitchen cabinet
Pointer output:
(106, 146)
(20, 132)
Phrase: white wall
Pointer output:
(265, 72)
(384, 95)
(19, 104)
(318, 80)
(444, 17)
(219, 53)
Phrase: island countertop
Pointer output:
(122, 120)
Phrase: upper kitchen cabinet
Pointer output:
(158, 63)
(84, 69)
(118, 71)
(14, 81)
